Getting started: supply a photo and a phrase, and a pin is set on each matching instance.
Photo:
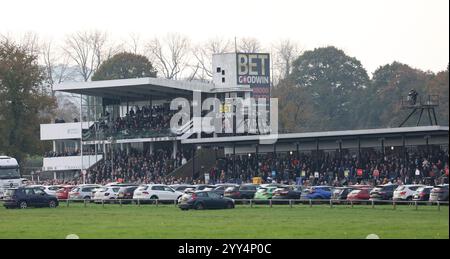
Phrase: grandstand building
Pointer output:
(134, 114)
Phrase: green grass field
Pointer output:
(280, 221)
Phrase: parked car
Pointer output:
(83, 192)
(220, 188)
(422, 193)
(439, 193)
(288, 192)
(181, 187)
(201, 187)
(359, 194)
(264, 193)
(106, 193)
(317, 192)
(156, 192)
(200, 200)
(126, 193)
(49, 189)
(405, 192)
(24, 197)
(341, 193)
(383, 192)
(245, 191)
(63, 192)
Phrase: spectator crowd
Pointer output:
(371, 168)
(138, 119)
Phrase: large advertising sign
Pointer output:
(253, 69)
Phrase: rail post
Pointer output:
(331, 203)
(439, 205)
(85, 203)
(175, 203)
(373, 204)
(139, 202)
(351, 203)
(156, 202)
(270, 203)
(120, 202)
(251, 203)
(103, 203)
(67, 202)
(290, 203)
(310, 203)
(415, 205)
(394, 205)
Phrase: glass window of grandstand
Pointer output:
(131, 119)
(64, 148)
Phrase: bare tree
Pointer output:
(284, 53)
(203, 54)
(249, 45)
(169, 55)
(88, 49)
(56, 65)
(133, 45)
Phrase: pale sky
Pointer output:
(377, 32)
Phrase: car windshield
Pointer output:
(262, 190)
(400, 188)
(9, 173)
(104, 189)
(423, 189)
(230, 189)
(355, 191)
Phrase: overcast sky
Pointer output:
(377, 32)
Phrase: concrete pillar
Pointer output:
(54, 146)
(54, 175)
(175, 149)
(151, 148)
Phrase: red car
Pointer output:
(63, 193)
(359, 194)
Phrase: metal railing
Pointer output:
(270, 202)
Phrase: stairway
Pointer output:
(205, 159)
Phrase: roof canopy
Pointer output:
(336, 135)
(136, 89)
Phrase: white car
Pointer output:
(406, 192)
(156, 192)
(106, 193)
(49, 189)
(83, 192)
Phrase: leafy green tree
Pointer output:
(439, 86)
(295, 110)
(383, 100)
(124, 65)
(24, 105)
(333, 82)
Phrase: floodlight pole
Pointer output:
(81, 137)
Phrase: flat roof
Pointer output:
(135, 89)
(290, 137)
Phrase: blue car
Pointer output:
(24, 197)
(318, 192)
